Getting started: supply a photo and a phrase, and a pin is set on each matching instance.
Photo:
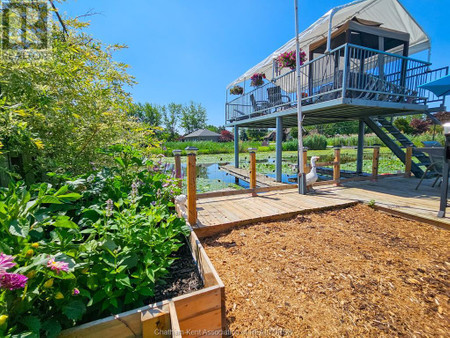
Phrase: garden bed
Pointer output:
(354, 271)
(193, 310)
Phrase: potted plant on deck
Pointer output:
(236, 90)
(257, 79)
(288, 59)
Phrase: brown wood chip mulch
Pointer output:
(354, 271)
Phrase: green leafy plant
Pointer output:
(97, 244)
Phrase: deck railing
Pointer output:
(348, 71)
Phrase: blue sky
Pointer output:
(182, 50)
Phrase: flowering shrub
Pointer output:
(257, 79)
(236, 90)
(288, 59)
(96, 245)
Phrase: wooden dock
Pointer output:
(262, 181)
(395, 195)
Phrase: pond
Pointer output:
(211, 178)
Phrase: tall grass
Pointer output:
(210, 147)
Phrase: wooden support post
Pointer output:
(177, 155)
(337, 166)
(191, 186)
(408, 161)
(305, 160)
(375, 160)
(252, 152)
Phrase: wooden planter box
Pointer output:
(199, 313)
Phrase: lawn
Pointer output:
(348, 272)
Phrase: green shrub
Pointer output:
(95, 246)
(315, 142)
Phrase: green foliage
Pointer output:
(313, 142)
(352, 140)
(60, 109)
(256, 134)
(171, 114)
(210, 147)
(115, 230)
(339, 128)
(402, 124)
(193, 117)
(147, 113)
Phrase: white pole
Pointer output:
(301, 174)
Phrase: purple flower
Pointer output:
(57, 265)
(12, 281)
(165, 185)
(6, 262)
(76, 292)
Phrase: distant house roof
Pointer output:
(202, 133)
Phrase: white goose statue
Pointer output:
(311, 177)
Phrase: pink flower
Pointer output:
(12, 281)
(57, 266)
(6, 262)
(76, 292)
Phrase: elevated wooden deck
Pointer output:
(395, 195)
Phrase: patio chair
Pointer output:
(259, 106)
(275, 96)
(436, 165)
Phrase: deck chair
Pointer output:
(436, 165)
(275, 96)
(259, 106)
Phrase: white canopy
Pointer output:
(390, 13)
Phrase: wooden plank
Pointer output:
(211, 320)
(337, 166)
(375, 160)
(174, 324)
(214, 194)
(408, 162)
(216, 229)
(155, 324)
(191, 189)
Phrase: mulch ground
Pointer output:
(354, 271)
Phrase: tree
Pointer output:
(170, 115)
(403, 125)
(420, 126)
(256, 134)
(146, 112)
(58, 111)
(214, 128)
(226, 136)
(193, 117)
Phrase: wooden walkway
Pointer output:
(262, 181)
(395, 195)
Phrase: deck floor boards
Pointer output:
(394, 193)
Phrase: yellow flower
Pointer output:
(49, 283)
(31, 274)
(59, 295)
(30, 253)
(35, 245)
(3, 319)
(85, 270)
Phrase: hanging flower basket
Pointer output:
(288, 59)
(236, 90)
(257, 79)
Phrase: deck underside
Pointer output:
(331, 111)
(394, 194)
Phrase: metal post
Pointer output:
(345, 71)
(279, 149)
(177, 155)
(236, 146)
(444, 186)
(301, 173)
(252, 152)
(360, 154)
